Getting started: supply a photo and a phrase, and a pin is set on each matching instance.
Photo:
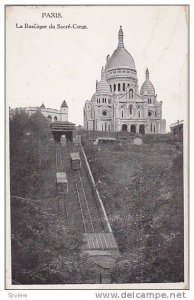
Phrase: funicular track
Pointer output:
(58, 157)
(84, 214)
(81, 196)
(85, 211)
(82, 204)
(62, 199)
(88, 223)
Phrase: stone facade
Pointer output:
(51, 113)
(117, 104)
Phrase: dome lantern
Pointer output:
(102, 87)
(102, 73)
(147, 74)
(147, 87)
(120, 38)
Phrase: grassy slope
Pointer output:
(142, 190)
(44, 249)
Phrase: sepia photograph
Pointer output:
(97, 104)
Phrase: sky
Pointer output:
(50, 65)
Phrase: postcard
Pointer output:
(97, 146)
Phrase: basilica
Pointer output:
(117, 104)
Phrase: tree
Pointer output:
(44, 250)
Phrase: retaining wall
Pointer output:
(99, 203)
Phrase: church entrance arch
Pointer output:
(133, 128)
(142, 128)
(124, 127)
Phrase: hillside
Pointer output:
(142, 191)
(44, 249)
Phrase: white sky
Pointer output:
(53, 65)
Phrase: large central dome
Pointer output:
(121, 57)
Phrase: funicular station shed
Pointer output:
(60, 128)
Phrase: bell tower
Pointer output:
(64, 112)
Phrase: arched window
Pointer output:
(124, 127)
(119, 87)
(141, 128)
(139, 114)
(123, 87)
(49, 117)
(130, 109)
(133, 128)
(104, 100)
(122, 113)
(111, 88)
(130, 94)
(149, 113)
(55, 118)
(114, 87)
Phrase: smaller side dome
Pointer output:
(147, 87)
(103, 86)
(64, 104)
(93, 98)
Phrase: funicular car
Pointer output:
(61, 183)
(75, 161)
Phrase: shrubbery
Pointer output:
(44, 250)
(146, 212)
